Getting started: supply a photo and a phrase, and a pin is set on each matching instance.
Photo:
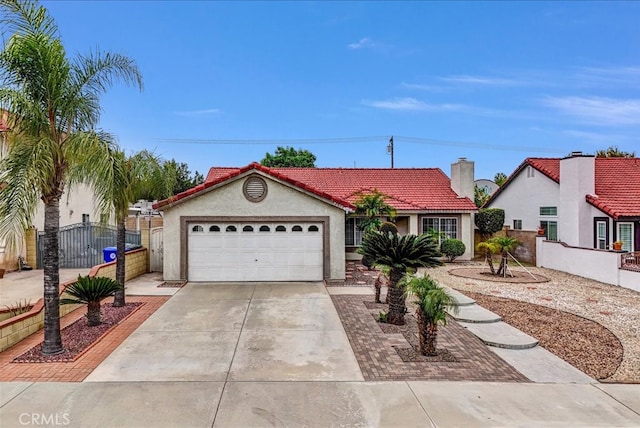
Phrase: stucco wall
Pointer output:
(575, 224)
(72, 205)
(228, 200)
(524, 197)
(601, 265)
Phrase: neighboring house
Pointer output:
(580, 200)
(488, 186)
(281, 224)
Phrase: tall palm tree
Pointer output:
(432, 303)
(399, 253)
(53, 105)
(139, 174)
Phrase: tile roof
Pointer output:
(617, 187)
(407, 189)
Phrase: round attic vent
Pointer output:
(255, 189)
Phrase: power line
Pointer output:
(345, 140)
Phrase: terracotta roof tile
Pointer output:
(407, 189)
(617, 187)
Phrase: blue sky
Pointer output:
(491, 81)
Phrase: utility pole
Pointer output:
(390, 150)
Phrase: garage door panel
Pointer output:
(255, 255)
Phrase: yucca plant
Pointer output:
(432, 303)
(399, 253)
(91, 291)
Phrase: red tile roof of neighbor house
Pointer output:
(406, 189)
(617, 186)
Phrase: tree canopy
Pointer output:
(614, 152)
(289, 157)
(184, 180)
(500, 178)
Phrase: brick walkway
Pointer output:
(379, 361)
(79, 369)
(357, 275)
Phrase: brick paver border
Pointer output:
(379, 361)
(78, 370)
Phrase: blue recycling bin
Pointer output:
(109, 254)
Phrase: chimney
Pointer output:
(577, 179)
(462, 177)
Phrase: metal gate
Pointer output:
(80, 245)
(157, 249)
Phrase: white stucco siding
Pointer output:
(229, 201)
(74, 203)
(524, 196)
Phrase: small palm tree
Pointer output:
(432, 302)
(399, 253)
(372, 206)
(490, 248)
(91, 291)
(504, 244)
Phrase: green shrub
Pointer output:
(452, 248)
(489, 221)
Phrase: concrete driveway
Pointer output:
(237, 332)
(276, 355)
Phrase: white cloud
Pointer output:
(593, 136)
(481, 80)
(609, 76)
(365, 42)
(411, 104)
(422, 87)
(196, 113)
(597, 110)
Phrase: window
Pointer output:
(447, 227)
(231, 228)
(214, 229)
(530, 172)
(601, 235)
(625, 234)
(517, 224)
(85, 218)
(265, 228)
(549, 211)
(281, 228)
(352, 233)
(550, 229)
(247, 228)
(197, 228)
(313, 228)
(296, 228)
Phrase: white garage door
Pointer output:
(255, 252)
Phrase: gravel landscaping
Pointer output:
(615, 308)
(78, 337)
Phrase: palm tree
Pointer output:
(504, 245)
(372, 206)
(432, 302)
(53, 105)
(134, 176)
(91, 291)
(490, 248)
(399, 253)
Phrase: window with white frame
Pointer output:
(625, 235)
(601, 235)
(517, 224)
(553, 211)
(352, 233)
(550, 229)
(446, 227)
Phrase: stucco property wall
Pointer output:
(524, 197)
(600, 265)
(228, 201)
